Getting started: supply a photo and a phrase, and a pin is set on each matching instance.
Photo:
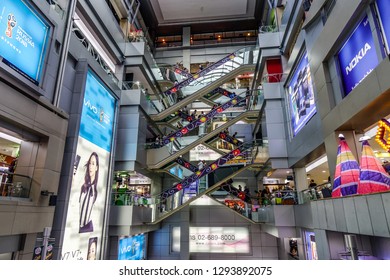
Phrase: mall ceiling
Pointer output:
(167, 17)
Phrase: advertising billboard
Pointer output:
(214, 240)
(23, 37)
(84, 221)
(384, 11)
(358, 57)
(132, 248)
(301, 95)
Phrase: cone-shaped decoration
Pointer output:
(346, 176)
(373, 177)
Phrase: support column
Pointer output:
(300, 179)
(186, 40)
(185, 233)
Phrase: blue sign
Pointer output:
(384, 11)
(358, 56)
(301, 95)
(132, 248)
(23, 37)
(97, 117)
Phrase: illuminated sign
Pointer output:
(301, 95)
(357, 58)
(383, 128)
(23, 37)
(215, 240)
(84, 221)
(132, 248)
(384, 11)
(202, 152)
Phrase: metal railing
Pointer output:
(15, 185)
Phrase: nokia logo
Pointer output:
(359, 56)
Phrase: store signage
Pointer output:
(84, 221)
(23, 37)
(358, 56)
(202, 152)
(384, 11)
(301, 95)
(132, 248)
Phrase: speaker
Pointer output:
(53, 200)
(290, 177)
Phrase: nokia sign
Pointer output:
(357, 57)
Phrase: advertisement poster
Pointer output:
(358, 57)
(84, 223)
(132, 248)
(301, 95)
(384, 11)
(311, 247)
(23, 37)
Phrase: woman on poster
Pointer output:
(89, 193)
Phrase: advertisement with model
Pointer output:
(301, 95)
(84, 222)
(358, 57)
(23, 37)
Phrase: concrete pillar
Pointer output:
(300, 179)
(185, 233)
(186, 40)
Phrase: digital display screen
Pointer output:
(23, 37)
(132, 248)
(384, 11)
(301, 95)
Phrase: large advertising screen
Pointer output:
(384, 11)
(132, 248)
(23, 37)
(301, 95)
(214, 240)
(358, 57)
(84, 221)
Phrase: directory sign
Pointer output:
(23, 38)
(358, 57)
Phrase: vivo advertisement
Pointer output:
(357, 58)
(132, 248)
(23, 37)
(384, 11)
(301, 95)
(84, 222)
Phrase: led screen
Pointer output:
(84, 221)
(301, 95)
(23, 37)
(384, 11)
(132, 248)
(357, 58)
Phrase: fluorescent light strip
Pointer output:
(84, 29)
(10, 138)
(316, 163)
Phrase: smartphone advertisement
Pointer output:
(84, 224)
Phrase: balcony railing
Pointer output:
(14, 185)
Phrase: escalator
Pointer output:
(209, 79)
(157, 158)
(171, 200)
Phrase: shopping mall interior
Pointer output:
(194, 130)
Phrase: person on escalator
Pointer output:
(234, 134)
(200, 67)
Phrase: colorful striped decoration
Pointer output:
(373, 177)
(346, 177)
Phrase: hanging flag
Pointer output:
(373, 177)
(346, 176)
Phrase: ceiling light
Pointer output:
(249, 34)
